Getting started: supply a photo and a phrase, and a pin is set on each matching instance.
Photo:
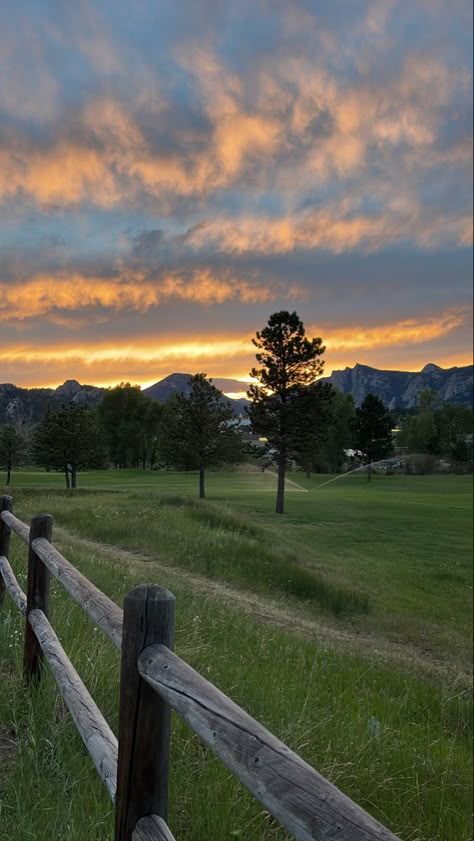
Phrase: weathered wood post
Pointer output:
(37, 595)
(6, 504)
(145, 719)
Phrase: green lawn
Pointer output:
(398, 549)
(387, 565)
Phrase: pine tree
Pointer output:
(12, 448)
(289, 362)
(340, 434)
(373, 431)
(197, 430)
(69, 440)
(312, 418)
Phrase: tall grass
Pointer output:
(203, 537)
(397, 744)
(399, 548)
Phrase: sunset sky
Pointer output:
(173, 172)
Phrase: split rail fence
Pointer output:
(154, 681)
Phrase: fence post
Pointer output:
(37, 595)
(6, 503)
(144, 719)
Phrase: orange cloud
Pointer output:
(143, 360)
(92, 355)
(146, 359)
(327, 229)
(111, 160)
(412, 331)
(39, 295)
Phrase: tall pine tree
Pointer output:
(12, 448)
(197, 430)
(373, 431)
(289, 362)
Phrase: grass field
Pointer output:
(344, 626)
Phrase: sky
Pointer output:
(172, 173)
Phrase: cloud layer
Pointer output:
(198, 178)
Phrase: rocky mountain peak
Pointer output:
(430, 368)
(68, 389)
(402, 389)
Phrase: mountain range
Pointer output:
(401, 389)
(23, 407)
(398, 389)
(180, 382)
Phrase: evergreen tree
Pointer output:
(69, 440)
(130, 421)
(311, 421)
(373, 431)
(444, 432)
(289, 362)
(339, 436)
(418, 433)
(454, 426)
(197, 430)
(12, 449)
(151, 424)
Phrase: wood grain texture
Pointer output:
(6, 504)
(96, 734)
(37, 596)
(8, 577)
(303, 801)
(144, 719)
(152, 828)
(102, 610)
(16, 525)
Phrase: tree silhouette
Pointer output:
(373, 431)
(69, 440)
(12, 448)
(289, 363)
(197, 430)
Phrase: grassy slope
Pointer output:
(397, 743)
(399, 546)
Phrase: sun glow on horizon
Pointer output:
(400, 345)
(88, 377)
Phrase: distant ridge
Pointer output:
(398, 389)
(401, 389)
(24, 407)
(179, 383)
(163, 389)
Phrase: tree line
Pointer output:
(129, 429)
(429, 434)
(296, 417)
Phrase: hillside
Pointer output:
(398, 389)
(401, 389)
(24, 407)
(163, 389)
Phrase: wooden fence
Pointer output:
(154, 681)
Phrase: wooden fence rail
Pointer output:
(153, 682)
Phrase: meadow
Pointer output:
(344, 626)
